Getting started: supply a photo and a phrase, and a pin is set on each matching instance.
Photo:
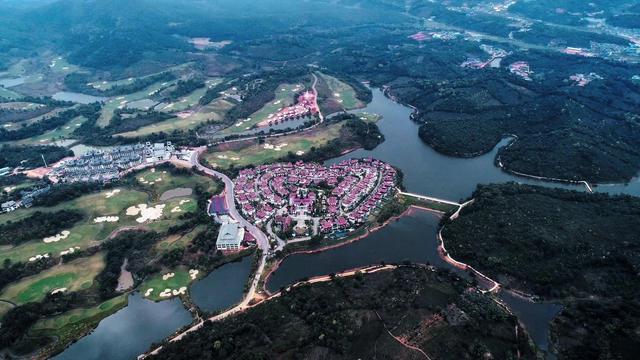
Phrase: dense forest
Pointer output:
(31, 156)
(349, 318)
(561, 245)
(37, 226)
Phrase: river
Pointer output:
(430, 173)
(413, 238)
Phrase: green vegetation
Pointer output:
(577, 247)
(157, 284)
(31, 156)
(351, 317)
(38, 225)
(75, 275)
(67, 326)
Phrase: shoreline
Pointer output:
(368, 232)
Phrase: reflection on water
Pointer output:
(77, 97)
(223, 287)
(428, 172)
(130, 331)
(412, 237)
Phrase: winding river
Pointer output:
(430, 173)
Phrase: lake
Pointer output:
(431, 173)
(130, 331)
(77, 97)
(223, 287)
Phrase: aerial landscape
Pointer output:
(319, 179)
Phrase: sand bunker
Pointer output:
(168, 276)
(182, 202)
(175, 193)
(193, 273)
(176, 209)
(148, 292)
(70, 251)
(102, 219)
(146, 213)
(38, 257)
(60, 290)
(169, 292)
(112, 193)
(299, 152)
(51, 239)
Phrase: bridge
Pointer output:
(429, 198)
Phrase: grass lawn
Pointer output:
(214, 111)
(158, 181)
(342, 93)
(181, 279)
(60, 65)
(68, 325)
(260, 154)
(178, 241)
(113, 103)
(284, 97)
(9, 94)
(61, 133)
(75, 275)
(106, 85)
(17, 125)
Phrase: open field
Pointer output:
(17, 125)
(9, 94)
(158, 181)
(114, 103)
(75, 275)
(20, 105)
(106, 85)
(66, 326)
(154, 286)
(284, 97)
(61, 133)
(342, 93)
(273, 149)
(60, 65)
(214, 111)
(177, 241)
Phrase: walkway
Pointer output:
(429, 198)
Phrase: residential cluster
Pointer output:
(522, 69)
(26, 199)
(296, 196)
(108, 165)
(306, 106)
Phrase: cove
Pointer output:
(430, 173)
(223, 287)
(412, 237)
(130, 331)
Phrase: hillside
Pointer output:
(349, 318)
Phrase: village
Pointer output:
(307, 199)
(109, 165)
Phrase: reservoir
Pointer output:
(77, 97)
(413, 238)
(130, 331)
(427, 172)
(223, 287)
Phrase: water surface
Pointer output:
(77, 97)
(431, 173)
(130, 331)
(223, 287)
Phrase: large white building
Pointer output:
(230, 236)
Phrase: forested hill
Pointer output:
(432, 310)
(578, 248)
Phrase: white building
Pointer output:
(9, 206)
(230, 236)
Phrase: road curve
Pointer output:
(261, 239)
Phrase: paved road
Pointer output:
(261, 239)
